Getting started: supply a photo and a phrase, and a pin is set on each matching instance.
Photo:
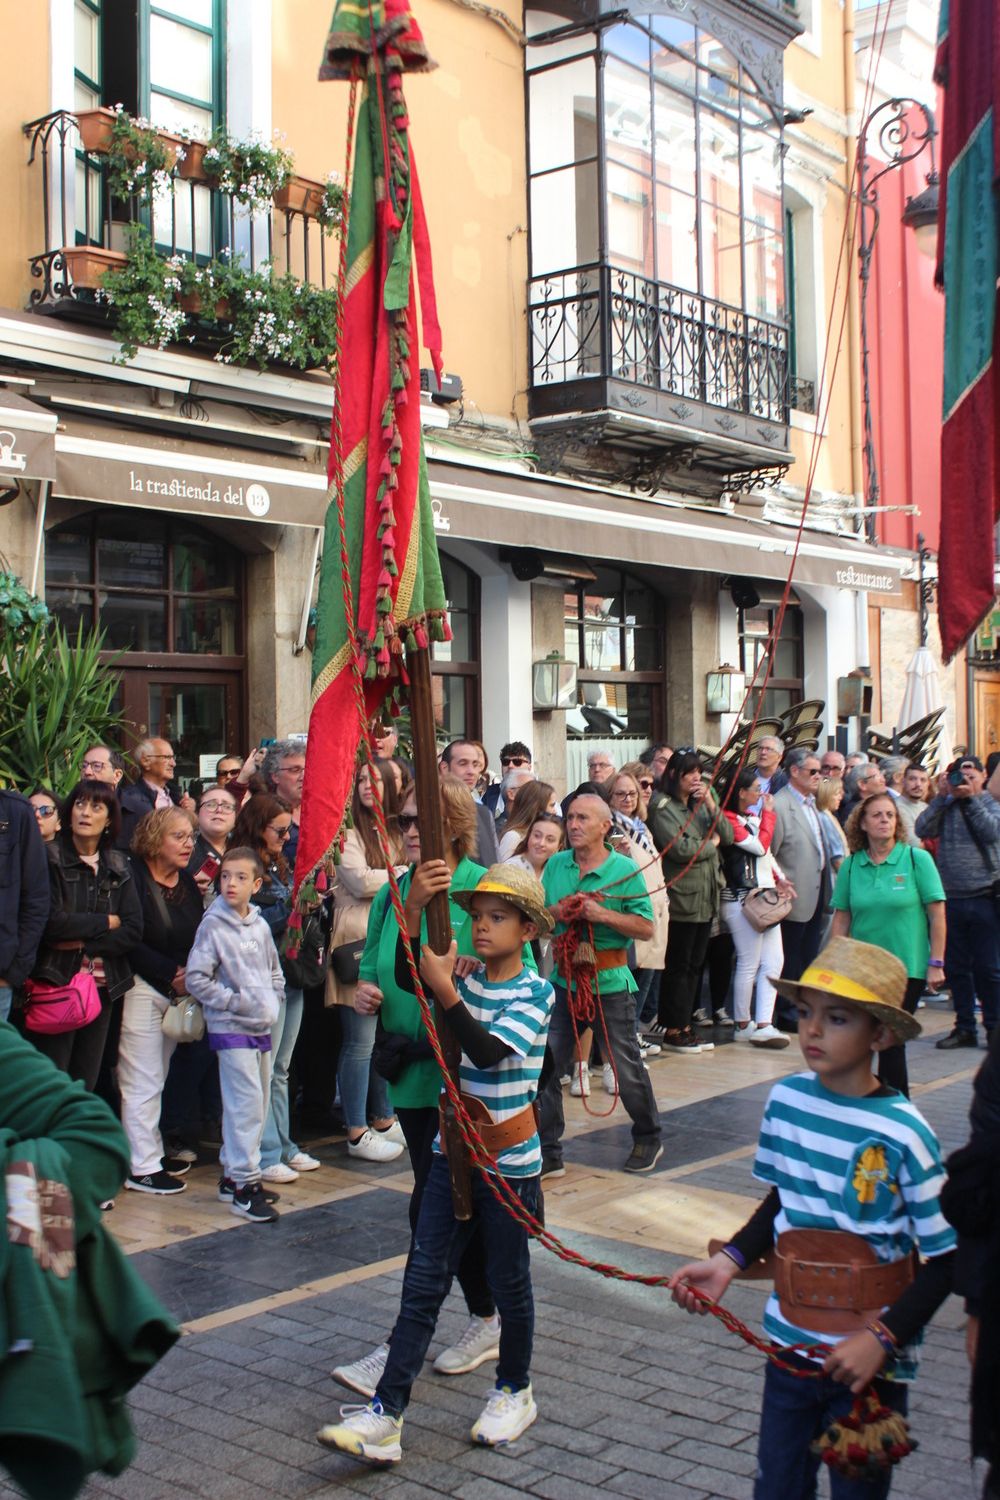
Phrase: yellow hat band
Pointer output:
(838, 984)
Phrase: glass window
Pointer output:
(721, 255)
(563, 115)
(67, 557)
(125, 561)
(628, 126)
(133, 622)
(630, 220)
(198, 11)
(199, 568)
(676, 149)
(87, 43)
(676, 238)
(675, 33)
(180, 59)
(628, 41)
(613, 630)
(563, 219)
(205, 627)
(455, 663)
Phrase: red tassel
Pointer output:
(322, 883)
(384, 579)
(421, 635)
(389, 538)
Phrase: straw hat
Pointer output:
(519, 887)
(865, 976)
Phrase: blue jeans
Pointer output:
(794, 1413)
(364, 1095)
(276, 1143)
(633, 1080)
(5, 998)
(972, 959)
(437, 1249)
(647, 997)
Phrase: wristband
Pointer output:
(935, 963)
(736, 1256)
(884, 1337)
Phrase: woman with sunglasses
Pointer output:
(46, 805)
(264, 825)
(372, 1131)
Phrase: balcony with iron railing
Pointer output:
(207, 242)
(647, 364)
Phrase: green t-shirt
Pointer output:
(561, 877)
(887, 902)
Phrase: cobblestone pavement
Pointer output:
(635, 1398)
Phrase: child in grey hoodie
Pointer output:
(234, 971)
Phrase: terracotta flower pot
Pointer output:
(95, 127)
(87, 264)
(302, 195)
(175, 144)
(193, 304)
(192, 168)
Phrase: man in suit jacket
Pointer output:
(797, 845)
(157, 763)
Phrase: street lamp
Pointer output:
(900, 139)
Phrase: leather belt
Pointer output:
(611, 958)
(833, 1282)
(495, 1136)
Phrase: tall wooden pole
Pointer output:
(432, 846)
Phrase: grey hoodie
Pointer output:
(234, 971)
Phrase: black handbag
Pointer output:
(345, 961)
(307, 969)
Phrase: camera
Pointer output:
(956, 778)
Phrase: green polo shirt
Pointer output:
(561, 877)
(887, 902)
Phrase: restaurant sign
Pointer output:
(866, 580)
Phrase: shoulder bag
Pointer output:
(54, 1008)
(183, 1020)
(765, 907)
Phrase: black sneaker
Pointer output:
(155, 1182)
(644, 1156)
(956, 1038)
(249, 1202)
(682, 1042)
(227, 1188)
(722, 1018)
(175, 1165)
(552, 1167)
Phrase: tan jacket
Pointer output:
(356, 885)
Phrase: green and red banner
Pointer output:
(968, 69)
(382, 592)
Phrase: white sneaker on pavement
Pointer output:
(769, 1036)
(479, 1342)
(374, 1147)
(744, 1033)
(647, 1048)
(303, 1162)
(365, 1432)
(279, 1172)
(609, 1080)
(394, 1133)
(580, 1087)
(365, 1373)
(505, 1416)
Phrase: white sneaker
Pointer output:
(479, 1342)
(505, 1416)
(769, 1036)
(609, 1080)
(564, 1081)
(365, 1373)
(394, 1133)
(280, 1172)
(647, 1049)
(580, 1087)
(365, 1432)
(303, 1162)
(374, 1147)
(744, 1033)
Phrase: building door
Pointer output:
(987, 716)
(200, 713)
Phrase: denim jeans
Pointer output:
(276, 1143)
(794, 1413)
(437, 1249)
(364, 1095)
(5, 998)
(647, 996)
(972, 959)
(633, 1081)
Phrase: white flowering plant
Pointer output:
(140, 162)
(144, 295)
(334, 206)
(251, 171)
(276, 318)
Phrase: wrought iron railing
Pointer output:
(191, 218)
(600, 322)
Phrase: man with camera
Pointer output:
(965, 820)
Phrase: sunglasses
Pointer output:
(280, 833)
(44, 811)
(514, 760)
(406, 821)
(231, 775)
(646, 785)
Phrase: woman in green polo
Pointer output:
(890, 894)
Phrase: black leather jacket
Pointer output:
(81, 905)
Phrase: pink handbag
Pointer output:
(53, 1008)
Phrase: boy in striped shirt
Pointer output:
(500, 1014)
(844, 1157)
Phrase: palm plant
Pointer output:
(56, 699)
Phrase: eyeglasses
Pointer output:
(231, 775)
(226, 806)
(514, 760)
(95, 765)
(406, 821)
(818, 772)
(280, 833)
(171, 758)
(45, 811)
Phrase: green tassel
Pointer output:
(379, 639)
(436, 628)
(371, 669)
(383, 606)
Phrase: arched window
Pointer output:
(455, 663)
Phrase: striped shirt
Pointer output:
(869, 1166)
(517, 1011)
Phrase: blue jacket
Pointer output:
(24, 888)
(968, 834)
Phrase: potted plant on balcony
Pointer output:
(277, 319)
(144, 295)
(140, 158)
(333, 207)
(89, 264)
(249, 170)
